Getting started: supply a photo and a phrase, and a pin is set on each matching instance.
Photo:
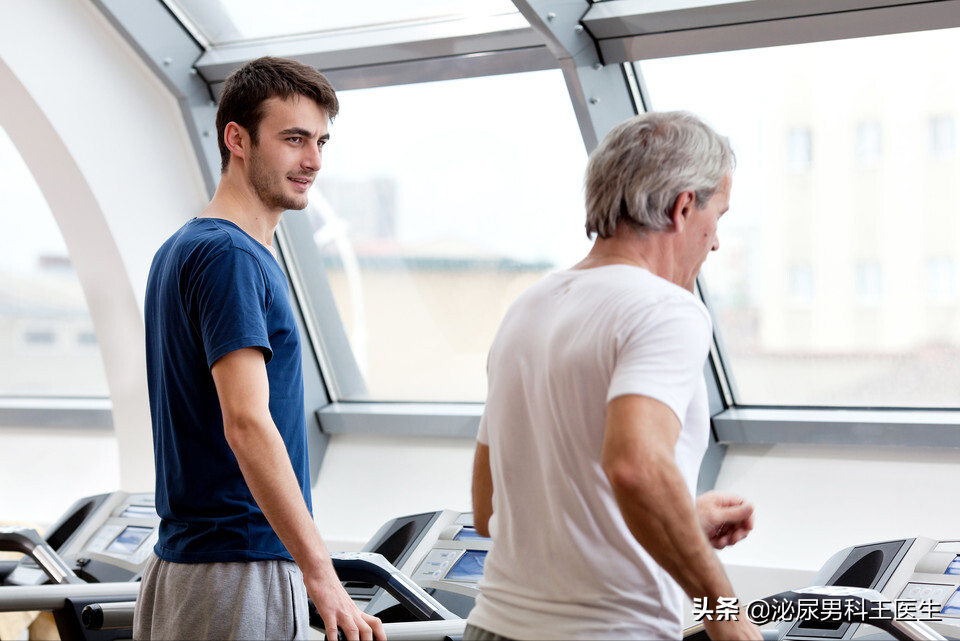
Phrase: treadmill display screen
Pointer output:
(469, 567)
(140, 511)
(954, 567)
(469, 534)
(952, 606)
(128, 540)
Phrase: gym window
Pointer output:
(864, 252)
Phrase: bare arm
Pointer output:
(638, 459)
(244, 392)
(482, 490)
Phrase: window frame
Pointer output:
(56, 412)
(602, 92)
(632, 30)
(628, 31)
(331, 344)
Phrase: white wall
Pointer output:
(812, 501)
(366, 481)
(44, 471)
(106, 144)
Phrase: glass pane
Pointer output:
(47, 343)
(226, 21)
(437, 205)
(836, 279)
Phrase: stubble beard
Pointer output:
(269, 187)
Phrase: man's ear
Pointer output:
(682, 208)
(236, 139)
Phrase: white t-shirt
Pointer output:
(564, 565)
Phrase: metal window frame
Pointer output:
(56, 412)
(631, 30)
(405, 54)
(838, 426)
(454, 420)
(589, 42)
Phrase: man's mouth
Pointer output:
(300, 180)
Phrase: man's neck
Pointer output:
(653, 251)
(236, 201)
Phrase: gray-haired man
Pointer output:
(596, 417)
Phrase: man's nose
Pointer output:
(312, 158)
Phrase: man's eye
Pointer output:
(294, 139)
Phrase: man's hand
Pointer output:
(337, 609)
(725, 518)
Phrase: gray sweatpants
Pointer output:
(252, 600)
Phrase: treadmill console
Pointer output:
(456, 560)
(105, 538)
(919, 579)
(440, 551)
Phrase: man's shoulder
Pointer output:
(201, 240)
(635, 287)
(646, 300)
(212, 232)
(612, 288)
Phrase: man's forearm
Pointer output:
(244, 393)
(639, 461)
(661, 515)
(266, 468)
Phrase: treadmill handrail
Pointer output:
(367, 567)
(28, 541)
(116, 615)
(119, 616)
(17, 598)
(370, 567)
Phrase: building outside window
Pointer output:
(943, 137)
(869, 143)
(799, 149)
(869, 282)
(432, 216)
(41, 300)
(941, 280)
(798, 231)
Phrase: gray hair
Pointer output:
(636, 173)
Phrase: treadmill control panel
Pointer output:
(105, 538)
(128, 534)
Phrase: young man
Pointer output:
(596, 417)
(239, 551)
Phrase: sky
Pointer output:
(246, 19)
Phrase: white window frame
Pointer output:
(595, 45)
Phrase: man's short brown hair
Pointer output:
(249, 87)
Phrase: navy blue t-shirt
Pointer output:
(213, 289)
